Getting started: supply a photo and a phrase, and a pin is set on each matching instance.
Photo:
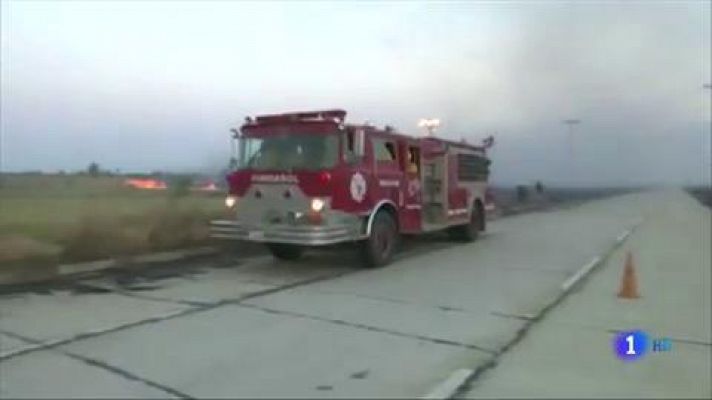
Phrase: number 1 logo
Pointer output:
(631, 345)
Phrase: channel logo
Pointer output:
(634, 345)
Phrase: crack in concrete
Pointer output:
(130, 293)
(371, 328)
(440, 307)
(105, 366)
(86, 335)
(289, 286)
(521, 317)
(177, 314)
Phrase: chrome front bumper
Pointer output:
(303, 235)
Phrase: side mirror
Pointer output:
(360, 142)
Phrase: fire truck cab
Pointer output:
(310, 179)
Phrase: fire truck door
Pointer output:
(388, 171)
(410, 212)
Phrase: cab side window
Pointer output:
(349, 146)
(384, 150)
(413, 162)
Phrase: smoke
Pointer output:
(164, 94)
(633, 73)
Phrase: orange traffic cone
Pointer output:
(629, 283)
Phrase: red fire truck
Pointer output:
(310, 179)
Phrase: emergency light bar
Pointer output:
(335, 115)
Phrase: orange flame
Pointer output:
(150, 184)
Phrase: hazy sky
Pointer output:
(156, 85)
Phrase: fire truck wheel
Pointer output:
(468, 232)
(379, 247)
(285, 251)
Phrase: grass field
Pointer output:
(74, 218)
(69, 218)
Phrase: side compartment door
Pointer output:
(458, 210)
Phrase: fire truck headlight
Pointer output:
(230, 201)
(317, 204)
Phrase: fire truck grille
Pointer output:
(305, 235)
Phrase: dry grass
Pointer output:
(85, 218)
(99, 236)
(14, 248)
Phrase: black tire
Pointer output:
(380, 246)
(469, 232)
(284, 251)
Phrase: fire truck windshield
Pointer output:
(288, 152)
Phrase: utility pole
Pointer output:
(571, 123)
(708, 86)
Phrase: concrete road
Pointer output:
(321, 327)
(672, 258)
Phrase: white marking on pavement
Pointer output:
(588, 267)
(449, 386)
(580, 274)
(623, 236)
